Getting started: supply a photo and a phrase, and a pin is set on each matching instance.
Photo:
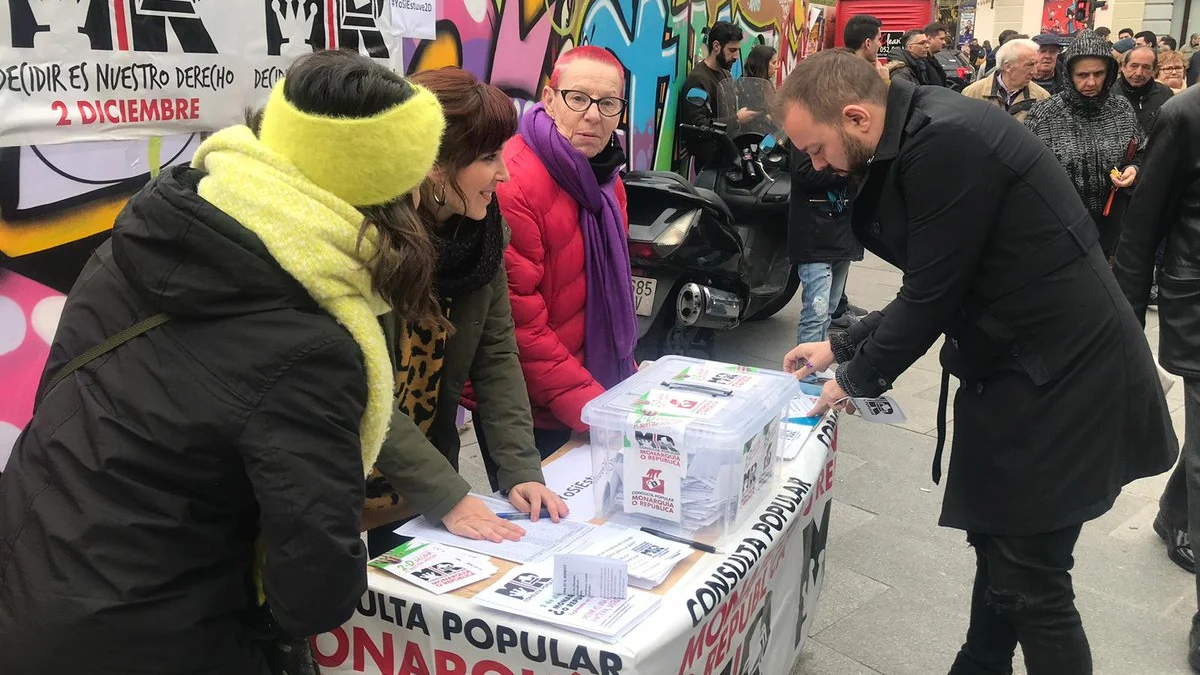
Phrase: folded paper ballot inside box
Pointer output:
(686, 445)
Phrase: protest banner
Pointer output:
(105, 69)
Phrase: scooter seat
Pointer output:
(673, 182)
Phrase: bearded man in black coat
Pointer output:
(1059, 405)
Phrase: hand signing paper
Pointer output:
(532, 497)
(471, 518)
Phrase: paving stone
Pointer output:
(845, 591)
(817, 659)
(846, 518)
(899, 633)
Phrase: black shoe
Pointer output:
(856, 310)
(1194, 645)
(1179, 548)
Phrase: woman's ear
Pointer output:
(437, 175)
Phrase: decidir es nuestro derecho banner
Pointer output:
(78, 70)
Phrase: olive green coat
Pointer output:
(483, 350)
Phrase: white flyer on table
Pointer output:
(570, 476)
(650, 559)
(541, 538)
(590, 575)
(528, 591)
(436, 568)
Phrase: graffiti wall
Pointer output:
(58, 202)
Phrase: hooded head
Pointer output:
(1090, 73)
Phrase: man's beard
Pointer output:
(858, 157)
(726, 64)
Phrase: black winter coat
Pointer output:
(818, 226)
(131, 504)
(1146, 101)
(1166, 204)
(1059, 404)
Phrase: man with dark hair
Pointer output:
(864, 37)
(1001, 258)
(909, 62)
(1125, 33)
(1146, 38)
(724, 42)
(936, 33)
(1006, 35)
(1137, 84)
(1105, 33)
(1167, 43)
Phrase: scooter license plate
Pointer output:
(644, 289)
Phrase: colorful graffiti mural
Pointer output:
(57, 203)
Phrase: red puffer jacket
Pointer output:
(546, 282)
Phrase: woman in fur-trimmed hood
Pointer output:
(1093, 132)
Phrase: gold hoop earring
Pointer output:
(440, 201)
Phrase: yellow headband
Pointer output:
(364, 161)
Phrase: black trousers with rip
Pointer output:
(1023, 594)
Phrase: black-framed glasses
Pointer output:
(609, 106)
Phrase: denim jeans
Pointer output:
(1180, 502)
(822, 285)
(1023, 593)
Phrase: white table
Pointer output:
(745, 611)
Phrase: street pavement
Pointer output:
(897, 590)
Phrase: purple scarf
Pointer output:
(609, 318)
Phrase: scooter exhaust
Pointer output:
(706, 307)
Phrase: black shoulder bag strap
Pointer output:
(100, 350)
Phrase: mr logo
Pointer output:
(647, 440)
(103, 25)
(652, 483)
(878, 406)
(297, 27)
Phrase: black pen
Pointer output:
(694, 544)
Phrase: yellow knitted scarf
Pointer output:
(313, 235)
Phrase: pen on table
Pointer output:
(694, 544)
(517, 515)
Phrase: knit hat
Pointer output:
(362, 160)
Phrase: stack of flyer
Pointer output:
(528, 591)
(435, 567)
(650, 558)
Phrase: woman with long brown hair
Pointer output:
(211, 457)
(418, 469)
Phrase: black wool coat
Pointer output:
(1059, 404)
(132, 502)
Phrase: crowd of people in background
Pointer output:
(483, 261)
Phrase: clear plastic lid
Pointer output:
(723, 404)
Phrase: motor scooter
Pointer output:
(712, 254)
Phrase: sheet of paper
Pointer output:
(592, 576)
(541, 538)
(882, 410)
(798, 409)
(650, 559)
(528, 591)
(571, 477)
(434, 567)
(681, 404)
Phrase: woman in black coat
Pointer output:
(1059, 405)
(162, 491)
